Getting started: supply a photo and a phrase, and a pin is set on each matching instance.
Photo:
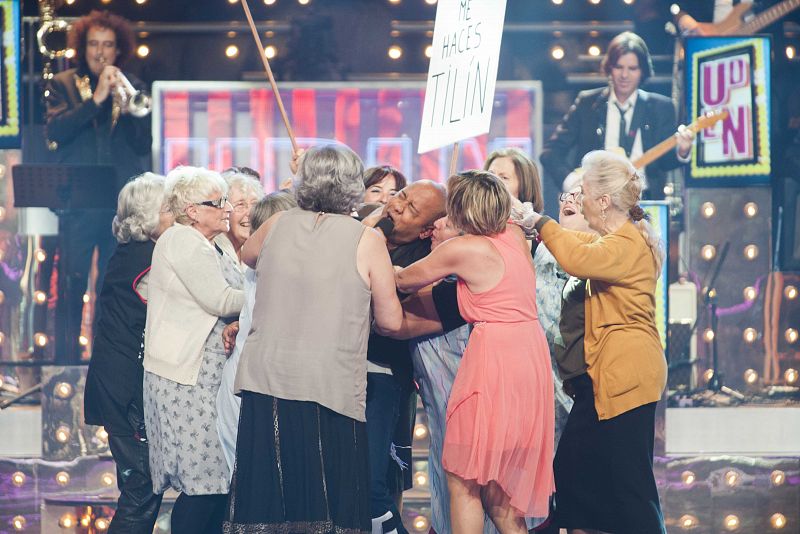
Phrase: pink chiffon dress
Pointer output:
(500, 415)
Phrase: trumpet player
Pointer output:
(89, 122)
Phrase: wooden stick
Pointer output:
(454, 160)
(270, 77)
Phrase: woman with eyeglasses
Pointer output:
(194, 289)
(244, 191)
(604, 465)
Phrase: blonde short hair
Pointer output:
(478, 202)
(189, 185)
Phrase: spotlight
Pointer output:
(777, 521)
(270, 51)
(18, 478)
(143, 50)
(557, 52)
(70, 53)
(790, 292)
(708, 375)
(421, 523)
(18, 522)
(63, 390)
(303, 2)
(790, 335)
(233, 1)
(750, 293)
(421, 478)
(86, 298)
(688, 478)
(777, 477)
(394, 1)
(594, 50)
(62, 434)
(67, 521)
(70, 2)
(750, 376)
(62, 478)
(791, 376)
(40, 339)
(732, 478)
(395, 52)
(731, 522)
(629, 2)
(102, 435)
(269, 2)
(105, 1)
(708, 252)
(791, 52)
(429, 51)
(751, 252)
(87, 519)
(708, 209)
(107, 479)
(708, 335)
(231, 51)
(40, 255)
(141, 2)
(102, 524)
(420, 431)
(749, 335)
(594, 2)
(750, 210)
(430, 2)
(39, 297)
(688, 522)
(557, 2)
(83, 340)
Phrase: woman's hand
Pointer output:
(229, 336)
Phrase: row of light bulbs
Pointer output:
(709, 209)
(790, 376)
(750, 335)
(731, 522)
(709, 252)
(62, 478)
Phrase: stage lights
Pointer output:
(420, 431)
(83, 340)
(708, 209)
(394, 1)
(751, 252)
(708, 375)
(557, 2)
(143, 50)
(39, 297)
(731, 522)
(708, 252)
(18, 478)
(708, 335)
(594, 50)
(19, 522)
(101, 524)
(750, 210)
(269, 2)
(790, 292)
(62, 478)
(732, 478)
(86, 298)
(750, 293)
(778, 521)
(395, 52)
(231, 51)
(790, 335)
(594, 2)
(429, 51)
(688, 478)
(62, 434)
(421, 478)
(430, 2)
(750, 377)
(688, 521)
(141, 2)
(303, 2)
(750, 335)
(67, 521)
(777, 478)
(270, 51)
(63, 390)
(557, 52)
(421, 523)
(107, 479)
(791, 52)
(40, 255)
(40, 339)
(791, 376)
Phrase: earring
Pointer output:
(603, 215)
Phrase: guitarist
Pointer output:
(620, 116)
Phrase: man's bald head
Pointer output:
(414, 209)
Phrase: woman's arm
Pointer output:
(386, 307)
(252, 247)
(419, 316)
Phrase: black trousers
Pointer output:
(80, 231)
(198, 514)
(137, 507)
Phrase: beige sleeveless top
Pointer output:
(311, 319)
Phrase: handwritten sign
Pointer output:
(731, 74)
(463, 71)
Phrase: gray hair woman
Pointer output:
(113, 393)
(194, 290)
(303, 370)
(244, 190)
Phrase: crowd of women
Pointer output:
(230, 359)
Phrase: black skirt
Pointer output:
(604, 469)
(300, 468)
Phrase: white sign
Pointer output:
(463, 71)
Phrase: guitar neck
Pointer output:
(656, 152)
(767, 17)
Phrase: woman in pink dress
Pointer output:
(498, 450)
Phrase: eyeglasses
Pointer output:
(219, 203)
(563, 197)
(243, 206)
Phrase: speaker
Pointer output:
(787, 233)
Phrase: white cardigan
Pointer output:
(187, 293)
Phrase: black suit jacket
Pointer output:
(583, 129)
(83, 132)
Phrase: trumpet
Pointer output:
(129, 99)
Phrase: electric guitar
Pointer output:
(734, 23)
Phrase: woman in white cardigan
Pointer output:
(194, 290)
